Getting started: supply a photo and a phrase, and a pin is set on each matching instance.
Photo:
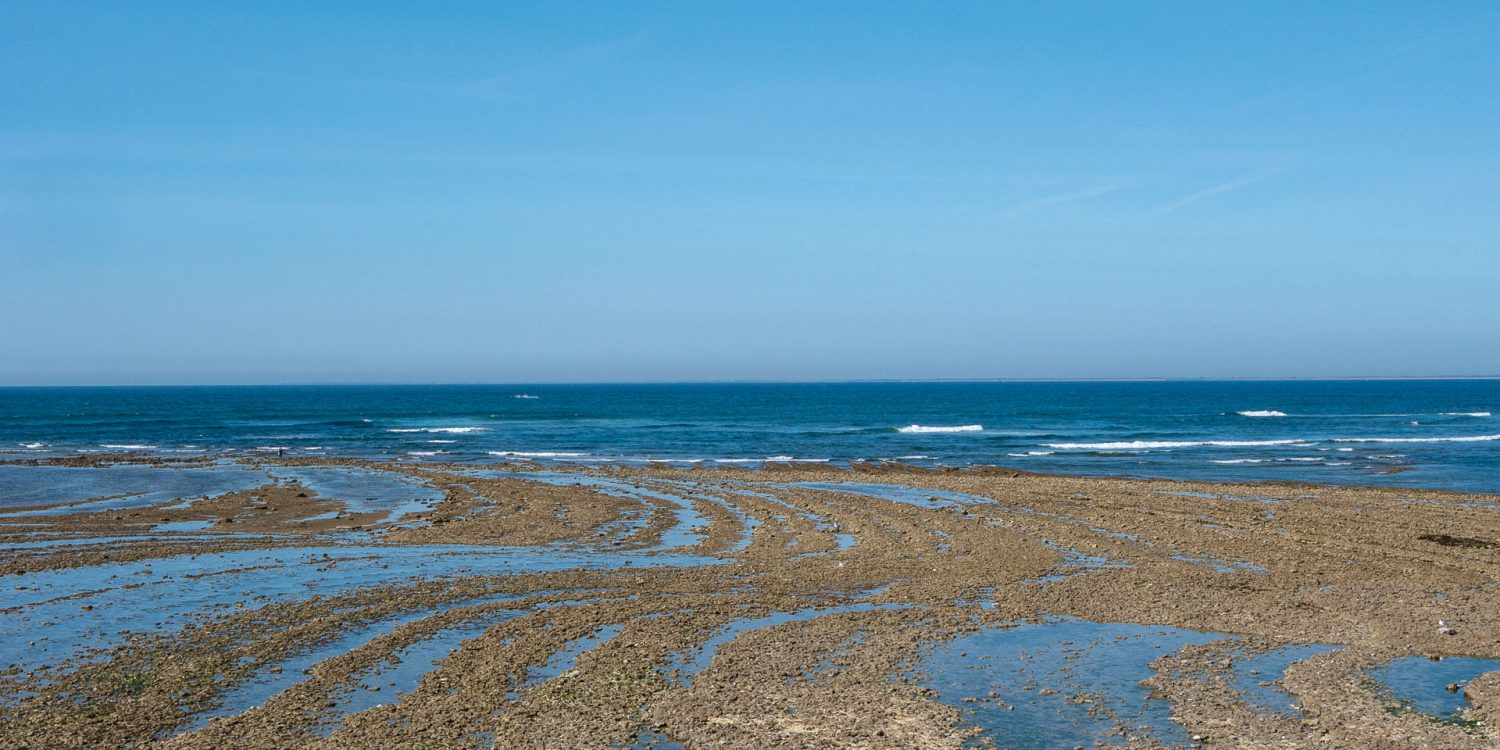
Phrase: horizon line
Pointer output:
(834, 381)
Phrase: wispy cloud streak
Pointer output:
(1054, 200)
(571, 61)
(1223, 187)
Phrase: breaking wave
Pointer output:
(538, 454)
(1150, 444)
(1289, 460)
(449, 430)
(922, 428)
(1458, 439)
(1261, 413)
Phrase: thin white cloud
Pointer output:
(571, 61)
(1406, 52)
(1223, 187)
(1054, 200)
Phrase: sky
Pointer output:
(480, 192)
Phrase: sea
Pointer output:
(1438, 434)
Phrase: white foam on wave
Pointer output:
(1466, 414)
(440, 442)
(32, 445)
(1292, 459)
(772, 459)
(538, 454)
(450, 430)
(1031, 453)
(422, 453)
(922, 428)
(1457, 439)
(1261, 413)
(127, 446)
(526, 396)
(1153, 444)
(1289, 459)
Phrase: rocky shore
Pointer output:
(792, 606)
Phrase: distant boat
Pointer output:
(524, 395)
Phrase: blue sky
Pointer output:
(290, 192)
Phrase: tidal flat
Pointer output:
(267, 602)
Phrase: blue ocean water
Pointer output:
(1418, 433)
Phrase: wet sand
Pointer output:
(793, 606)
